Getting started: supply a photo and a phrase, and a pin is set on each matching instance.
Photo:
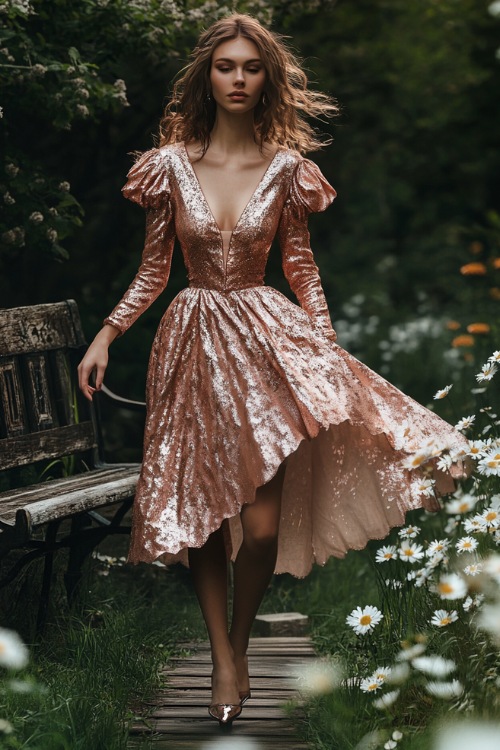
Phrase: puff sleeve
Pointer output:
(148, 185)
(309, 192)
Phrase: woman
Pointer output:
(265, 442)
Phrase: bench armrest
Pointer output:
(123, 403)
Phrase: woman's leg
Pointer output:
(254, 566)
(208, 565)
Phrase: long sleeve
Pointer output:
(309, 192)
(148, 186)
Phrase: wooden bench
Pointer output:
(45, 421)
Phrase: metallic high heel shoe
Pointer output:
(224, 713)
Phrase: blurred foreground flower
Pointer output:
(435, 666)
(386, 700)
(364, 620)
(451, 586)
(478, 328)
(473, 269)
(445, 690)
(13, 652)
(468, 735)
(319, 677)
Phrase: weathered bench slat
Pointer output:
(35, 492)
(60, 441)
(78, 501)
(40, 328)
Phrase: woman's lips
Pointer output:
(238, 95)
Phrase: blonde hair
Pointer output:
(279, 117)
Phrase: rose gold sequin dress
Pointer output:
(241, 378)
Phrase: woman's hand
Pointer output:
(96, 359)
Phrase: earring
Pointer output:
(264, 98)
(209, 96)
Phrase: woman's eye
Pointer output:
(254, 70)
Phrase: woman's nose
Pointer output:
(238, 75)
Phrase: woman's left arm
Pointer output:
(309, 192)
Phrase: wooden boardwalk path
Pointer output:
(177, 717)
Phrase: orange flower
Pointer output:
(473, 269)
(476, 247)
(495, 262)
(495, 292)
(453, 325)
(478, 328)
(463, 340)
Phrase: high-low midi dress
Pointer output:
(241, 378)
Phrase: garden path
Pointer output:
(177, 716)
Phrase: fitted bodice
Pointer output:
(248, 244)
(163, 181)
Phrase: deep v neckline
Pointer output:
(249, 202)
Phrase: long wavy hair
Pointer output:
(279, 117)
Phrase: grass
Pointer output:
(87, 675)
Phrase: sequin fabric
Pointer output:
(241, 378)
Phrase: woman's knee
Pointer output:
(263, 536)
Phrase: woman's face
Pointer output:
(237, 75)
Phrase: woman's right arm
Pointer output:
(96, 359)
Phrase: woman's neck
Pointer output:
(233, 133)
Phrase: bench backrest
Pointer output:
(41, 413)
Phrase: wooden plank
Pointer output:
(78, 501)
(178, 712)
(60, 441)
(43, 490)
(40, 328)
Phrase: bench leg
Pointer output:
(79, 550)
(50, 538)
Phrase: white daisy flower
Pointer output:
(435, 666)
(370, 684)
(443, 392)
(386, 700)
(403, 435)
(445, 690)
(407, 654)
(473, 602)
(381, 673)
(487, 372)
(444, 462)
(364, 620)
(386, 553)
(437, 546)
(451, 586)
(397, 735)
(466, 544)
(491, 517)
(390, 745)
(409, 532)
(423, 487)
(411, 552)
(441, 617)
(13, 652)
(461, 504)
(473, 570)
(452, 524)
(489, 464)
(465, 423)
(422, 575)
(478, 448)
(415, 460)
(473, 526)
(495, 357)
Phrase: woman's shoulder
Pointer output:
(309, 189)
